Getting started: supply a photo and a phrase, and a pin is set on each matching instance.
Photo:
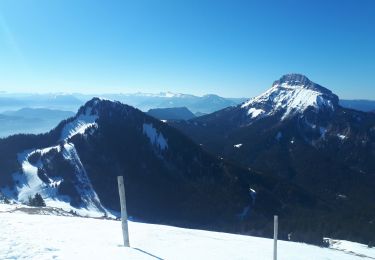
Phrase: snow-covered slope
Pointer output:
(30, 179)
(26, 236)
(291, 94)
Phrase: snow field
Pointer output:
(26, 236)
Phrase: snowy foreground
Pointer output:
(33, 236)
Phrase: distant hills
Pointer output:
(30, 120)
(199, 105)
(49, 101)
(143, 101)
(12, 124)
(204, 104)
(361, 105)
(43, 113)
(174, 113)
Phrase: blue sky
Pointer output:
(231, 48)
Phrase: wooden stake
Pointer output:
(275, 231)
(124, 214)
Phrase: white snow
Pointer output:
(291, 99)
(167, 94)
(92, 205)
(342, 137)
(48, 149)
(353, 248)
(25, 236)
(156, 138)
(341, 196)
(79, 125)
(253, 112)
(253, 194)
(7, 207)
(237, 145)
(28, 183)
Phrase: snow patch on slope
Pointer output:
(33, 176)
(88, 195)
(155, 137)
(253, 112)
(28, 183)
(79, 125)
(352, 248)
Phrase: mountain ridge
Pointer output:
(322, 147)
(168, 178)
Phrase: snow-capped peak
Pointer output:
(290, 95)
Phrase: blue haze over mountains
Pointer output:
(38, 113)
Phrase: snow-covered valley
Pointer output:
(26, 236)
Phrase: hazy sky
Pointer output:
(231, 48)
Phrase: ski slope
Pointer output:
(25, 236)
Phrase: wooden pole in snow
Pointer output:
(275, 230)
(124, 214)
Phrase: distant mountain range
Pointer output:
(143, 101)
(203, 104)
(361, 105)
(43, 113)
(49, 101)
(31, 120)
(175, 113)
